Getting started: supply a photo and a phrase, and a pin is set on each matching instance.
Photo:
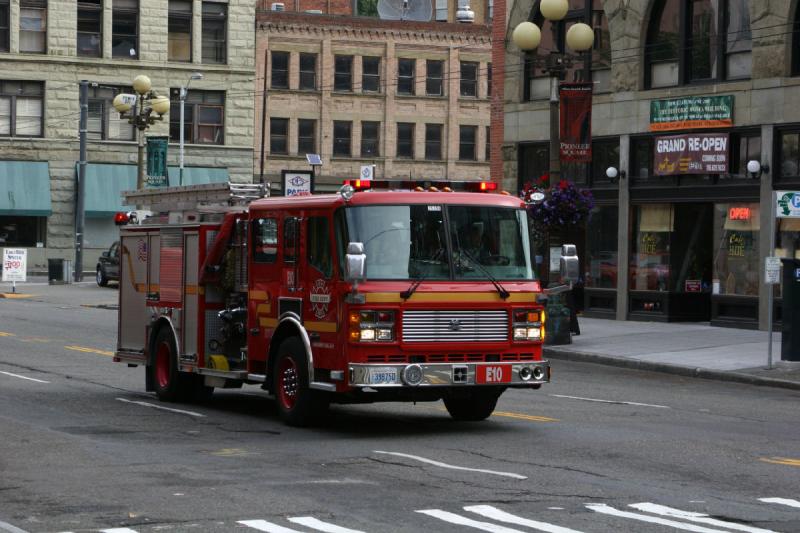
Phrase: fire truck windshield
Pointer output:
(407, 242)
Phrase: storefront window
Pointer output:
(736, 252)
(653, 225)
(22, 231)
(601, 247)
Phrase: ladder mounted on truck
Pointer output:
(195, 197)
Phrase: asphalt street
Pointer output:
(601, 449)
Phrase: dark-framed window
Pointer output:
(696, 41)
(5, 21)
(796, 43)
(788, 155)
(125, 29)
(744, 146)
(90, 28)
(405, 140)
(488, 144)
(215, 33)
(179, 30)
(434, 74)
(370, 139)
(533, 161)
(605, 154)
(319, 245)
(21, 108)
(469, 79)
(342, 138)
(433, 141)
(33, 26)
(371, 74)
(104, 122)
(204, 121)
(265, 240)
(343, 73)
(308, 72)
(466, 142)
(279, 70)
(278, 135)
(24, 230)
(406, 79)
(306, 136)
(441, 10)
(488, 80)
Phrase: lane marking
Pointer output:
(6, 334)
(154, 406)
(463, 521)
(118, 530)
(780, 461)
(263, 525)
(606, 509)
(501, 516)
(695, 517)
(319, 525)
(452, 467)
(8, 527)
(88, 350)
(611, 401)
(781, 501)
(24, 377)
(521, 416)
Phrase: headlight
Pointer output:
(528, 324)
(372, 326)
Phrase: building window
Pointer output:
(24, 231)
(343, 73)
(795, 42)
(469, 78)
(279, 72)
(5, 34)
(371, 74)
(736, 241)
(434, 70)
(405, 76)
(180, 30)
(488, 144)
(279, 135)
(204, 121)
(745, 146)
(433, 142)
(601, 247)
(605, 153)
(466, 142)
(441, 10)
(369, 139)
(342, 138)
(32, 26)
(306, 136)
(215, 35)
(490, 9)
(125, 29)
(405, 140)
(90, 28)
(691, 41)
(21, 104)
(104, 122)
(308, 72)
(788, 156)
(488, 80)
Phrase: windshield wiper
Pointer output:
(504, 294)
(406, 294)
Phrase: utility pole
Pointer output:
(80, 212)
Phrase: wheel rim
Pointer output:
(99, 276)
(288, 383)
(162, 364)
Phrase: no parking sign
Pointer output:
(15, 262)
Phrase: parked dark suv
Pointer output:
(108, 265)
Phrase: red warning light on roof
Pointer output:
(488, 186)
(120, 219)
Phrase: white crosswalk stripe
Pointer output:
(463, 521)
(607, 509)
(501, 516)
(119, 530)
(263, 525)
(781, 501)
(700, 518)
(319, 525)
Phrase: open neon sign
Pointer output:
(739, 213)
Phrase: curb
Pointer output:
(703, 373)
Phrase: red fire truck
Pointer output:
(349, 298)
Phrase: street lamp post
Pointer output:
(184, 91)
(580, 38)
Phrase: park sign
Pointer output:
(691, 112)
(693, 153)
(788, 204)
(157, 161)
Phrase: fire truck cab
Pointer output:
(348, 298)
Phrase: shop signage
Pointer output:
(739, 213)
(157, 161)
(693, 153)
(693, 285)
(576, 122)
(15, 261)
(788, 204)
(297, 183)
(772, 270)
(691, 112)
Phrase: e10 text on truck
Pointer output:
(353, 297)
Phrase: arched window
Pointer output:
(596, 67)
(695, 41)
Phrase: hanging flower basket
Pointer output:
(564, 204)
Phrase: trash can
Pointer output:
(790, 332)
(59, 271)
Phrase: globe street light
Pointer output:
(580, 38)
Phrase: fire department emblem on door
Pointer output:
(320, 298)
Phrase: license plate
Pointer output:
(382, 375)
(493, 374)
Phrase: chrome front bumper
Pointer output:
(450, 374)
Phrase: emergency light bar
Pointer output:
(423, 185)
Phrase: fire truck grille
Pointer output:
(455, 326)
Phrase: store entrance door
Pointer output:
(691, 259)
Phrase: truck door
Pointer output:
(320, 307)
(264, 286)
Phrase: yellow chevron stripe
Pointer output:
(322, 327)
(781, 461)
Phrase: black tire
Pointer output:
(100, 277)
(170, 384)
(201, 393)
(472, 406)
(298, 405)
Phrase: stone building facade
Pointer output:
(679, 246)
(410, 98)
(50, 46)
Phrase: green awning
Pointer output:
(197, 175)
(104, 185)
(25, 188)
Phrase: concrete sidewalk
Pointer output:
(688, 349)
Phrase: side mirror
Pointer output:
(355, 262)
(568, 264)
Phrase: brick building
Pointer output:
(47, 47)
